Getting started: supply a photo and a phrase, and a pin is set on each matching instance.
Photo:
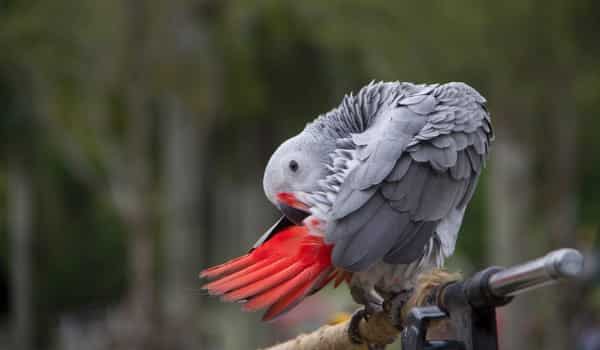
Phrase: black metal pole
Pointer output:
(471, 304)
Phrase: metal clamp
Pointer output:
(470, 304)
(414, 334)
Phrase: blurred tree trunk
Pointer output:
(243, 215)
(510, 207)
(20, 217)
(137, 209)
(533, 212)
(236, 229)
(189, 53)
(183, 161)
(138, 218)
(559, 206)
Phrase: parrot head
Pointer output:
(295, 167)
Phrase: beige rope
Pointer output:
(378, 330)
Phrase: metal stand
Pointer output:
(470, 305)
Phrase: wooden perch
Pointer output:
(379, 328)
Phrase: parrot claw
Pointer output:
(394, 305)
(354, 331)
(373, 303)
(369, 298)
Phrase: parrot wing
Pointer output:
(391, 189)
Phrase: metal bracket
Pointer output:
(414, 334)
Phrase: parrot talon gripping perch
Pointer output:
(394, 305)
(354, 330)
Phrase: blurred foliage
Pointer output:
(66, 65)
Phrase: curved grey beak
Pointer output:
(293, 214)
(282, 223)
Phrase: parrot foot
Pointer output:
(372, 301)
(394, 305)
(354, 331)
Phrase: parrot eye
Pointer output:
(293, 165)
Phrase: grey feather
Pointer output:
(442, 159)
(443, 141)
(344, 143)
(477, 141)
(410, 229)
(421, 152)
(406, 193)
(400, 169)
(447, 230)
(371, 242)
(364, 152)
(424, 107)
(461, 139)
(462, 169)
(350, 224)
(468, 193)
(426, 89)
(395, 191)
(474, 158)
(349, 200)
(364, 138)
(411, 100)
(415, 153)
(437, 197)
(379, 164)
(410, 250)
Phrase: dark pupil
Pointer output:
(293, 165)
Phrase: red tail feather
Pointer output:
(287, 302)
(251, 274)
(273, 295)
(279, 273)
(230, 266)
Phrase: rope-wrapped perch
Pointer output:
(378, 329)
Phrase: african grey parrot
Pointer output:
(373, 192)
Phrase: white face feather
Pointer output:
(296, 165)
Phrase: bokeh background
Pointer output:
(134, 134)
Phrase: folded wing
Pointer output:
(414, 171)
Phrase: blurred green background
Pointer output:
(134, 135)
